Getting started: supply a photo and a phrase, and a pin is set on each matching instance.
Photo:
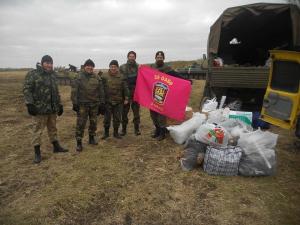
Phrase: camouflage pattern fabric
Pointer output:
(41, 90)
(115, 88)
(136, 113)
(87, 88)
(158, 120)
(39, 124)
(114, 111)
(165, 68)
(85, 112)
(130, 72)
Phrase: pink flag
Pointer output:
(162, 93)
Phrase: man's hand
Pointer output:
(126, 102)
(60, 110)
(75, 108)
(32, 110)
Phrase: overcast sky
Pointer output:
(72, 31)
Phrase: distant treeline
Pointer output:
(14, 69)
(174, 64)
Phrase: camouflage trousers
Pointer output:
(86, 112)
(39, 124)
(135, 110)
(158, 120)
(114, 111)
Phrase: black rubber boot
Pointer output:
(57, 148)
(162, 134)
(137, 129)
(92, 140)
(156, 132)
(79, 146)
(116, 133)
(124, 130)
(37, 154)
(106, 133)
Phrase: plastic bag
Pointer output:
(222, 161)
(218, 116)
(253, 164)
(235, 105)
(210, 105)
(245, 117)
(212, 134)
(258, 158)
(193, 154)
(180, 133)
(257, 122)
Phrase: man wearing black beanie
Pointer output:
(43, 102)
(116, 95)
(88, 102)
(159, 120)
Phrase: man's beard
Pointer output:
(131, 62)
(160, 62)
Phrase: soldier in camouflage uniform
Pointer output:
(158, 119)
(43, 103)
(129, 71)
(88, 101)
(116, 95)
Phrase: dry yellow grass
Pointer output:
(131, 181)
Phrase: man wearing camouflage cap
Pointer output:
(88, 101)
(130, 71)
(116, 95)
(43, 103)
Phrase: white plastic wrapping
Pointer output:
(258, 158)
(180, 133)
(212, 134)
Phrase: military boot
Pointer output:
(156, 132)
(137, 129)
(124, 130)
(37, 154)
(162, 134)
(92, 140)
(79, 146)
(57, 148)
(116, 133)
(106, 133)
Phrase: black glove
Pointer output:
(101, 109)
(32, 110)
(75, 108)
(60, 110)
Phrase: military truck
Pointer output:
(241, 39)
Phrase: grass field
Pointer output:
(135, 180)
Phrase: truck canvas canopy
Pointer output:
(243, 35)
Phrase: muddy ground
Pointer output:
(131, 181)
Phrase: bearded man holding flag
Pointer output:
(160, 89)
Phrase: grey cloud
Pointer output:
(72, 31)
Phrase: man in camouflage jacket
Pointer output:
(88, 101)
(116, 95)
(130, 71)
(42, 99)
